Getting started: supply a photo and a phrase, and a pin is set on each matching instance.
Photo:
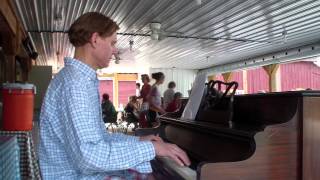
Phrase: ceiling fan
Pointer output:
(157, 33)
(126, 54)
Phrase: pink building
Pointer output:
(297, 75)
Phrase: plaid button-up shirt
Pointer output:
(74, 143)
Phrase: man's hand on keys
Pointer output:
(172, 151)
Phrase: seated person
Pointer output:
(132, 110)
(109, 113)
(175, 104)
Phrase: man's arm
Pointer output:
(86, 145)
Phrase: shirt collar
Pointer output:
(81, 67)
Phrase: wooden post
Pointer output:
(11, 32)
(121, 77)
(9, 52)
(227, 76)
(115, 90)
(10, 68)
(272, 73)
(245, 81)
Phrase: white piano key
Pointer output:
(184, 171)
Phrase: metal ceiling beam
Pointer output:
(291, 55)
(171, 36)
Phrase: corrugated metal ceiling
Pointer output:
(242, 28)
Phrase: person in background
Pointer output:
(109, 113)
(74, 143)
(175, 104)
(168, 94)
(154, 98)
(146, 87)
(138, 89)
(132, 110)
(145, 90)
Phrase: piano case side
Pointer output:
(311, 134)
(278, 146)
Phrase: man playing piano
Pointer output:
(74, 143)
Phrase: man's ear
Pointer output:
(93, 39)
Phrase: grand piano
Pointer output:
(273, 136)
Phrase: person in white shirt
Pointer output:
(154, 99)
(138, 89)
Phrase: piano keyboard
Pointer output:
(184, 171)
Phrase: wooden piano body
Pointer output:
(274, 136)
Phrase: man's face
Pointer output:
(104, 50)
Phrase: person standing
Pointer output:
(145, 90)
(74, 143)
(138, 89)
(168, 94)
(154, 98)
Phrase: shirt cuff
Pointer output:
(146, 151)
(146, 154)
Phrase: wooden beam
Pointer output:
(211, 77)
(227, 76)
(17, 39)
(20, 27)
(9, 15)
(127, 76)
(106, 75)
(272, 70)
